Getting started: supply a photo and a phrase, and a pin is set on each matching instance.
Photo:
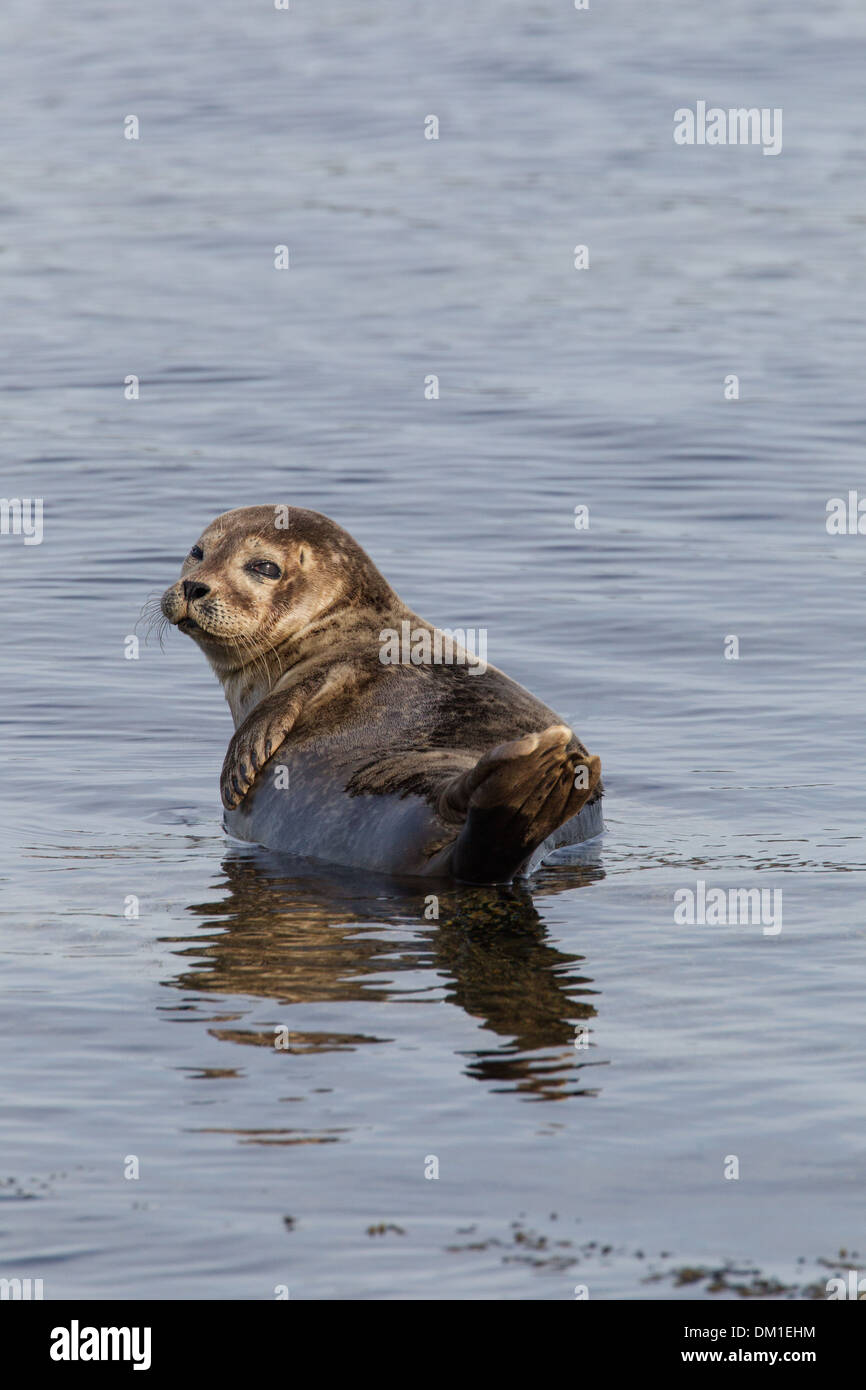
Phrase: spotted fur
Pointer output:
(422, 769)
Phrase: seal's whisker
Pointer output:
(152, 616)
(245, 648)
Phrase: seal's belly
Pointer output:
(299, 806)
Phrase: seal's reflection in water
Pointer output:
(285, 932)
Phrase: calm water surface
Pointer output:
(410, 1039)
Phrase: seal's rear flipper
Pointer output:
(513, 798)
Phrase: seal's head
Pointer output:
(259, 578)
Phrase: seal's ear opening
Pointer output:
(302, 557)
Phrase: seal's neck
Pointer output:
(247, 686)
(342, 633)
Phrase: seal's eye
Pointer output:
(266, 568)
(196, 553)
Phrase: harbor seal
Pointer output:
(350, 749)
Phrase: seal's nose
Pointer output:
(192, 589)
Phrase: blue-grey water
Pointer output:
(148, 1041)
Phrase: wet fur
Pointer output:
(428, 769)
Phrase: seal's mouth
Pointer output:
(194, 627)
(195, 622)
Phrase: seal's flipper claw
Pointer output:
(513, 798)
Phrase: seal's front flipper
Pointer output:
(257, 739)
(271, 722)
(513, 798)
